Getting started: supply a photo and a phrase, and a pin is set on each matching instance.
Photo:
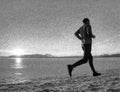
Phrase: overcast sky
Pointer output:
(48, 26)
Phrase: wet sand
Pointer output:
(109, 81)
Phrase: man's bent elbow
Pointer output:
(76, 34)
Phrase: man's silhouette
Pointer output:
(84, 33)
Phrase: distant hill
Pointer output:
(33, 56)
(105, 55)
(52, 56)
(112, 55)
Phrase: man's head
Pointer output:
(86, 21)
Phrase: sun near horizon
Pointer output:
(18, 51)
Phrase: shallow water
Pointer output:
(14, 70)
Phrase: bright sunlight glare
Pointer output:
(18, 52)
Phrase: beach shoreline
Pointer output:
(109, 81)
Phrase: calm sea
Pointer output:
(22, 69)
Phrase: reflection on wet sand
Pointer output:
(18, 64)
(18, 72)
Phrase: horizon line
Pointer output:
(51, 55)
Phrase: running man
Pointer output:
(84, 34)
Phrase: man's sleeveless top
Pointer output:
(85, 32)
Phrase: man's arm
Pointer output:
(77, 34)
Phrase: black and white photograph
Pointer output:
(59, 45)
